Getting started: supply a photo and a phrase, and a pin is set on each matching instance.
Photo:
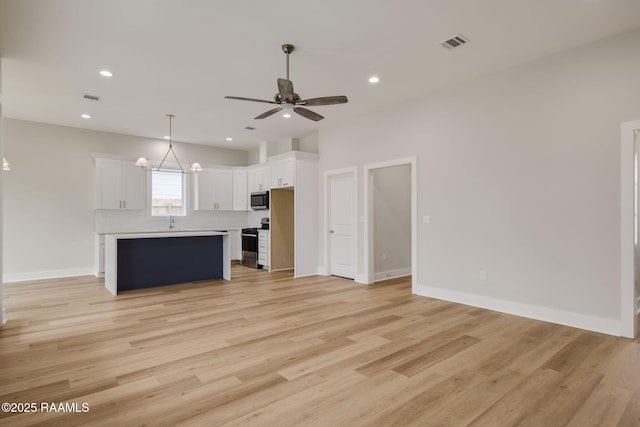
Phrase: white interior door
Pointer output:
(341, 225)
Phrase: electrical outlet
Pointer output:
(384, 257)
(483, 275)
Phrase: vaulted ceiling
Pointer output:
(183, 57)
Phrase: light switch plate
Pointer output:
(426, 219)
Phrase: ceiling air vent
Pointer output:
(92, 97)
(250, 128)
(454, 42)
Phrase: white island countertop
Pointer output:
(153, 234)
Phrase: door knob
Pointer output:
(330, 231)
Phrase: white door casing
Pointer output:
(628, 303)
(368, 274)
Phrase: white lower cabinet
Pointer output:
(235, 244)
(98, 264)
(264, 249)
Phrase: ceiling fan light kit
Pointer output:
(286, 98)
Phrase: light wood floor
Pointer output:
(268, 350)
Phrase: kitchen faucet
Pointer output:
(171, 223)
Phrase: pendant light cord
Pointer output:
(170, 150)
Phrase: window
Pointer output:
(168, 193)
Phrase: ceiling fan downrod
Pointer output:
(288, 48)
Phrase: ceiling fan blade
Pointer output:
(285, 87)
(239, 98)
(325, 100)
(308, 114)
(268, 113)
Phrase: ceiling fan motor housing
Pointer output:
(288, 48)
(287, 98)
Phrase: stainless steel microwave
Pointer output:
(260, 200)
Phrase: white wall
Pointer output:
(520, 173)
(392, 220)
(253, 157)
(2, 310)
(308, 143)
(49, 217)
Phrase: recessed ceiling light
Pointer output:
(106, 73)
(85, 116)
(167, 137)
(374, 79)
(286, 115)
(229, 139)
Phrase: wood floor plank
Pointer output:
(631, 416)
(604, 407)
(517, 405)
(268, 349)
(563, 401)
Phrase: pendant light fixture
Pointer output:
(5, 165)
(144, 163)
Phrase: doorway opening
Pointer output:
(390, 220)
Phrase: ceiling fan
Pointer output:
(286, 98)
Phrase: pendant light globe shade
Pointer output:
(142, 162)
(196, 167)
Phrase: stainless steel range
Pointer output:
(250, 247)
(250, 244)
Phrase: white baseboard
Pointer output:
(576, 320)
(361, 278)
(47, 274)
(296, 276)
(322, 271)
(391, 274)
(4, 317)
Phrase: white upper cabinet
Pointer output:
(282, 172)
(258, 178)
(240, 188)
(213, 190)
(120, 185)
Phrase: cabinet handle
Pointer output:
(124, 204)
(280, 181)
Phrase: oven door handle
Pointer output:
(249, 235)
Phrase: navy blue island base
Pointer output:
(160, 261)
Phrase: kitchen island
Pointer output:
(146, 260)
